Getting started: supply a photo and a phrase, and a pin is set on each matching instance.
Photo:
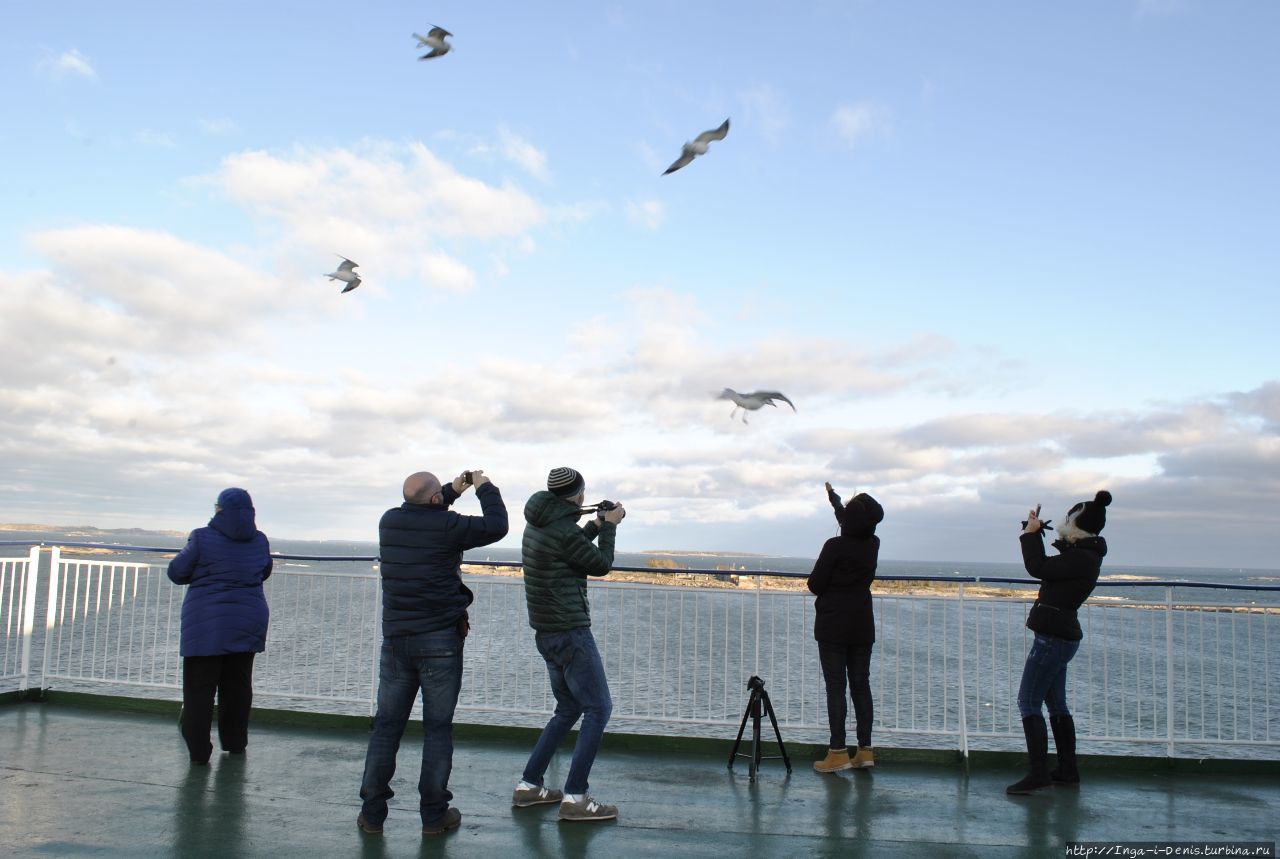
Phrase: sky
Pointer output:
(996, 253)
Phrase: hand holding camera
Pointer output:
(1034, 524)
(475, 477)
(615, 513)
(606, 511)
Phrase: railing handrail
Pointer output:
(659, 571)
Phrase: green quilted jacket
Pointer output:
(558, 556)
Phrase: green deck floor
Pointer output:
(97, 782)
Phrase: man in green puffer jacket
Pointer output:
(558, 555)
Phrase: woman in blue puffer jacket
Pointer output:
(224, 623)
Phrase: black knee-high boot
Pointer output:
(1064, 740)
(1037, 734)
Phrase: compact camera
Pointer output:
(467, 478)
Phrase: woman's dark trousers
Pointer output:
(230, 677)
(851, 664)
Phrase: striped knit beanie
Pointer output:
(565, 482)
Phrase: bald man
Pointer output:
(424, 622)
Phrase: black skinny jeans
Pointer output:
(853, 661)
(230, 676)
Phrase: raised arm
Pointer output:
(491, 525)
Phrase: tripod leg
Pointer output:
(737, 744)
(755, 733)
(768, 705)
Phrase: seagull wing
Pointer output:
(438, 32)
(435, 52)
(769, 396)
(352, 285)
(347, 265)
(715, 134)
(685, 157)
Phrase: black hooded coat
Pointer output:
(841, 579)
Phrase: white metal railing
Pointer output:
(17, 612)
(945, 669)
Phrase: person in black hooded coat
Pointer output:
(1066, 580)
(844, 625)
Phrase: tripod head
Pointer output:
(755, 683)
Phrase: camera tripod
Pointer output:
(757, 705)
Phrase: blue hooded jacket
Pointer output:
(224, 566)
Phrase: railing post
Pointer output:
(756, 668)
(29, 615)
(964, 724)
(1168, 667)
(51, 612)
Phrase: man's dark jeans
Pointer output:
(230, 677)
(854, 662)
(431, 662)
(1044, 677)
(580, 687)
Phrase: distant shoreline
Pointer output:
(87, 530)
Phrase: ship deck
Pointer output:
(78, 779)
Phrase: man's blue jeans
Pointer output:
(1044, 677)
(431, 662)
(580, 687)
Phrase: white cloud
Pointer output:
(511, 147)
(70, 62)
(520, 151)
(646, 213)
(139, 372)
(390, 207)
(855, 123)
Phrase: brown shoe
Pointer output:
(451, 819)
(864, 759)
(836, 759)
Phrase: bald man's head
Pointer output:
(422, 488)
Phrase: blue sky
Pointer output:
(997, 253)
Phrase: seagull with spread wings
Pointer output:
(698, 146)
(346, 273)
(435, 41)
(753, 401)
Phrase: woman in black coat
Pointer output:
(844, 625)
(1066, 580)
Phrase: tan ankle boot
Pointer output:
(863, 759)
(836, 759)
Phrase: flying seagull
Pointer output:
(435, 41)
(753, 401)
(346, 273)
(698, 146)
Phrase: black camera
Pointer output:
(467, 478)
(598, 507)
(1044, 523)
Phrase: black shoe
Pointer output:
(1030, 784)
(366, 826)
(451, 819)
